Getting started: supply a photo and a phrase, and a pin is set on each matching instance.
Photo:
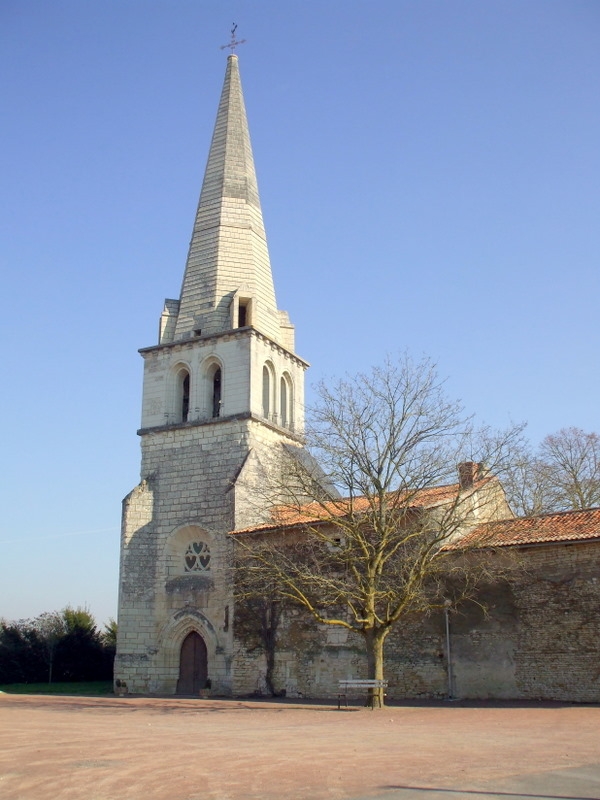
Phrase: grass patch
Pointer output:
(88, 688)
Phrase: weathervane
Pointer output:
(233, 43)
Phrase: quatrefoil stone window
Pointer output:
(197, 557)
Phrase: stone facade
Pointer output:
(539, 640)
(190, 495)
(241, 355)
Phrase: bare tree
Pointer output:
(570, 463)
(525, 483)
(257, 621)
(390, 442)
(562, 475)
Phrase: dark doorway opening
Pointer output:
(193, 665)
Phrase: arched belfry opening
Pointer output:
(286, 401)
(268, 392)
(216, 393)
(180, 408)
(212, 388)
(185, 397)
(193, 665)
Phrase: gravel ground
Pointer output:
(69, 748)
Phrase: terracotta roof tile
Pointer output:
(312, 513)
(565, 526)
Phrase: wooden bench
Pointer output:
(356, 685)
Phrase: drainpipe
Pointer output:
(447, 605)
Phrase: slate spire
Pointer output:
(228, 263)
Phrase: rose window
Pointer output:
(197, 557)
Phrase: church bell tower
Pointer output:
(223, 389)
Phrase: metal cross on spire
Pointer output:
(233, 43)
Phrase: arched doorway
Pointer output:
(193, 665)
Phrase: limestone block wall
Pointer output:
(189, 494)
(310, 660)
(257, 485)
(558, 637)
(136, 581)
(185, 497)
(285, 405)
(540, 640)
(241, 356)
(230, 352)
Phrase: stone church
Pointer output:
(223, 390)
(222, 387)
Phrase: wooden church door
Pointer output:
(193, 665)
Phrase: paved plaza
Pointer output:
(76, 748)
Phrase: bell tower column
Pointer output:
(222, 387)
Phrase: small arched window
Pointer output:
(286, 401)
(212, 389)
(180, 408)
(266, 392)
(283, 403)
(185, 397)
(216, 393)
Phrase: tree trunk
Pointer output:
(269, 675)
(374, 640)
(270, 624)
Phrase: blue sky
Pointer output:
(430, 180)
